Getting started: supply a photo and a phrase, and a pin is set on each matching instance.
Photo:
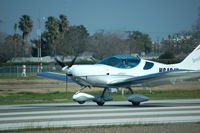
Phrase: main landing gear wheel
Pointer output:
(81, 102)
(100, 103)
(100, 100)
(136, 104)
(136, 99)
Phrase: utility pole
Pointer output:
(177, 43)
(39, 48)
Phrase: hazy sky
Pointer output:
(155, 17)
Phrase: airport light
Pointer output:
(39, 49)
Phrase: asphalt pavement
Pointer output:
(89, 114)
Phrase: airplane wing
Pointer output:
(56, 76)
(155, 79)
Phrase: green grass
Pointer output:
(53, 97)
(30, 98)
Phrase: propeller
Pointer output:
(59, 62)
(65, 68)
(72, 62)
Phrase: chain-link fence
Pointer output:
(30, 70)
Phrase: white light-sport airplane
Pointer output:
(123, 71)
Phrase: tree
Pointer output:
(63, 24)
(52, 33)
(107, 44)
(2, 35)
(63, 29)
(15, 28)
(167, 55)
(25, 25)
(196, 30)
(143, 41)
(0, 21)
(75, 40)
(180, 43)
(10, 48)
(45, 48)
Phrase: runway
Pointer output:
(89, 114)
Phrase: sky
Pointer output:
(158, 18)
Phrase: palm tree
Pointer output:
(63, 24)
(26, 26)
(52, 33)
(0, 22)
(55, 30)
(15, 28)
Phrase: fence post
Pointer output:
(17, 71)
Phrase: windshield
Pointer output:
(121, 61)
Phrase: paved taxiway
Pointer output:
(89, 114)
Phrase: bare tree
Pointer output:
(107, 44)
(196, 30)
(10, 48)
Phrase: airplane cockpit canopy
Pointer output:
(121, 61)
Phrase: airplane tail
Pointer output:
(192, 61)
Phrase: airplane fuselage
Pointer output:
(100, 75)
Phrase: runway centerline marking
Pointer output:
(99, 115)
(98, 110)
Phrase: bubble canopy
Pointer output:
(121, 61)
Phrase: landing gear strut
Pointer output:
(101, 99)
(130, 90)
(101, 102)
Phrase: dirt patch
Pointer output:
(179, 86)
(45, 86)
(160, 128)
(29, 81)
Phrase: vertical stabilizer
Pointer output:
(192, 61)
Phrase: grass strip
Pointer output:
(60, 97)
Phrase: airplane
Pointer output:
(124, 71)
